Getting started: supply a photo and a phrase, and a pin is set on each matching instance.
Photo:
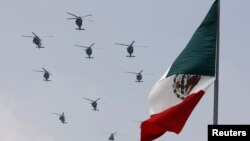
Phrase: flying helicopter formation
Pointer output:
(93, 103)
(89, 51)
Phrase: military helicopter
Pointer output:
(112, 136)
(88, 50)
(93, 103)
(130, 48)
(36, 40)
(78, 20)
(46, 74)
(138, 76)
(61, 117)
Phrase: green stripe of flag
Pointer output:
(198, 57)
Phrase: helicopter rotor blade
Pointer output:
(121, 44)
(72, 14)
(38, 71)
(87, 15)
(50, 36)
(34, 34)
(101, 48)
(97, 99)
(91, 45)
(88, 99)
(148, 73)
(132, 72)
(141, 71)
(81, 46)
(142, 46)
(71, 18)
(55, 113)
(44, 69)
(114, 133)
(28, 36)
(88, 20)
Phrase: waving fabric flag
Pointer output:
(175, 95)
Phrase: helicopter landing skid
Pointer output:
(80, 29)
(39, 47)
(89, 57)
(130, 56)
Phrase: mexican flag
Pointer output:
(173, 98)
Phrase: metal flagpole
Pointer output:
(216, 84)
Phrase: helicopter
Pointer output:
(130, 48)
(36, 40)
(88, 50)
(61, 117)
(138, 76)
(93, 103)
(78, 20)
(46, 74)
(112, 136)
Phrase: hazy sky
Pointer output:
(166, 26)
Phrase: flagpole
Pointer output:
(216, 84)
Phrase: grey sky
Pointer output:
(165, 26)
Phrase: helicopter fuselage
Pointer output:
(62, 118)
(78, 22)
(139, 77)
(111, 137)
(94, 105)
(130, 50)
(88, 51)
(37, 41)
(46, 76)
